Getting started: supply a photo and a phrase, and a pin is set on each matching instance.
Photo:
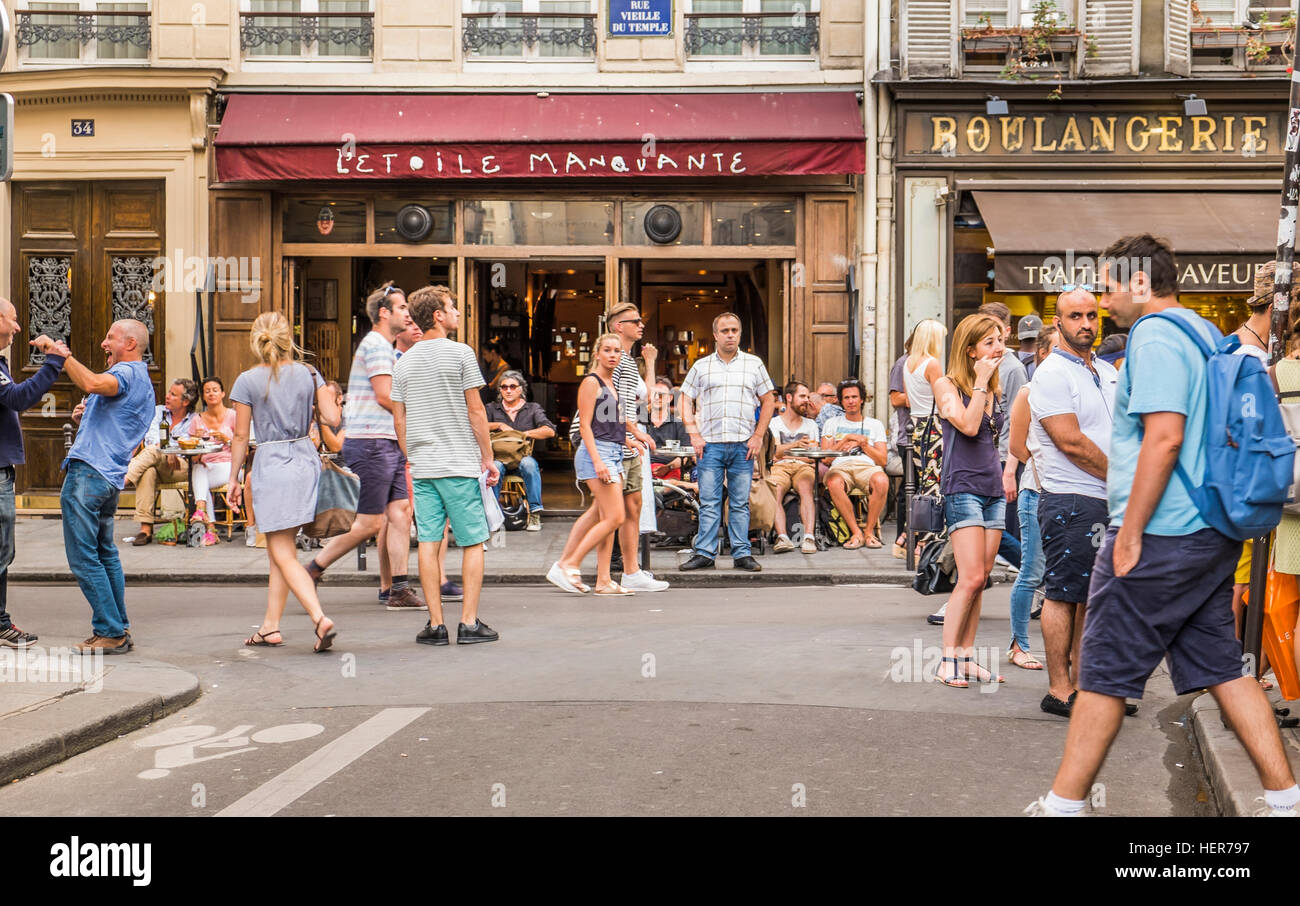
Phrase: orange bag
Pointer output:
(1281, 607)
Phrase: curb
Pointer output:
(1232, 775)
(716, 578)
(132, 696)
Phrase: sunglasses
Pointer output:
(631, 321)
(509, 386)
(389, 290)
(1071, 287)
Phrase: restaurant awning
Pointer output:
(403, 136)
(1044, 239)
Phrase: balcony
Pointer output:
(84, 35)
(331, 35)
(530, 35)
(752, 35)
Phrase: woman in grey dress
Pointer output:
(276, 397)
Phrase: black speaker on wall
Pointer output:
(414, 222)
(663, 224)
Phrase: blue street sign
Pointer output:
(640, 18)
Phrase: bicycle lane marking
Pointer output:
(285, 788)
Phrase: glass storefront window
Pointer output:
(692, 214)
(321, 220)
(443, 211)
(539, 222)
(753, 222)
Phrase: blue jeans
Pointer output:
(532, 476)
(1032, 566)
(89, 503)
(6, 540)
(724, 461)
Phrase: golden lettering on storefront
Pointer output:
(1145, 133)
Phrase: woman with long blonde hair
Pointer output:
(921, 373)
(276, 396)
(974, 503)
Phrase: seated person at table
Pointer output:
(512, 412)
(147, 466)
(216, 425)
(791, 429)
(331, 436)
(862, 440)
(664, 426)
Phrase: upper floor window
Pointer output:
(1018, 37)
(84, 31)
(340, 30)
(752, 29)
(563, 30)
(1238, 34)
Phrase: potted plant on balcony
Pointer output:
(1259, 37)
(1036, 45)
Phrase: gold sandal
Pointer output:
(612, 589)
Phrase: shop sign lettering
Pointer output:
(532, 161)
(1196, 273)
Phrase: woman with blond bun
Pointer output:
(276, 398)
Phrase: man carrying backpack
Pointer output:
(1162, 581)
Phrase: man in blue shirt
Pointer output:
(14, 400)
(115, 418)
(1162, 580)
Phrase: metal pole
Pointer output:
(1282, 280)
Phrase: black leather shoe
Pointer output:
(430, 635)
(1053, 705)
(699, 561)
(1130, 708)
(748, 564)
(481, 632)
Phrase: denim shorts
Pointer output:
(962, 510)
(610, 453)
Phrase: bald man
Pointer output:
(117, 415)
(14, 400)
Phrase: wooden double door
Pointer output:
(84, 255)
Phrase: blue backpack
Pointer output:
(1248, 454)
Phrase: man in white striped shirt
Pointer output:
(719, 397)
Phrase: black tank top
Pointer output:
(607, 422)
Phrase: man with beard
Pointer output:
(793, 428)
(1071, 400)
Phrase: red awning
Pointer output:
(366, 136)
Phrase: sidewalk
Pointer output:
(523, 560)
(1236, 785)
(55, 704)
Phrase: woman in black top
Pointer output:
(512, 412)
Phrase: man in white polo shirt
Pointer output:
(1071, 401)
(719, 397)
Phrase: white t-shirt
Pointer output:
(1064, 385)
(431, 380)
(840, 425)
(783, 434)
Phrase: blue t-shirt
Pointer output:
(111, 427)
(1163, 371)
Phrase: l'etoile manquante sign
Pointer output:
(1146, 134)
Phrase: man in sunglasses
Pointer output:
(824, 404)
(372, 452)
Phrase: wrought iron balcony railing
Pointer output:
(510, 34)
(345, 34)
(743, 34)
(36, 27)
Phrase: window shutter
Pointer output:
(1178, 38)
(1113, 28)
(929, 38)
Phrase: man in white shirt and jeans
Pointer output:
(1071, 401)
(719, 396)
(792, 428)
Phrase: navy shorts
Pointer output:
(1071, 527)
(1177, 600)
(380, 465)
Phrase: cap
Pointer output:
(1029, 326)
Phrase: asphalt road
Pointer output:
(780, 701)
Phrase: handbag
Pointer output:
(926, 514)
(930, 578)
(509, 447)
(336, 501)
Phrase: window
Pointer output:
(529, 30)
(85, 31)
(752, 29)
(988, 45)
(311, 29)
(539, 222)
(1238, 34)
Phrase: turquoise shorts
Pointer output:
(458, 499)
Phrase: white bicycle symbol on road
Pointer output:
(178, 747)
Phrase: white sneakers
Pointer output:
(557, 577)
(1268, 811)
(643, 581)
(1040, 809)
(809, 545)
(783, 544)
(534, 522)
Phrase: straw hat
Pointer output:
(1264, 286)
